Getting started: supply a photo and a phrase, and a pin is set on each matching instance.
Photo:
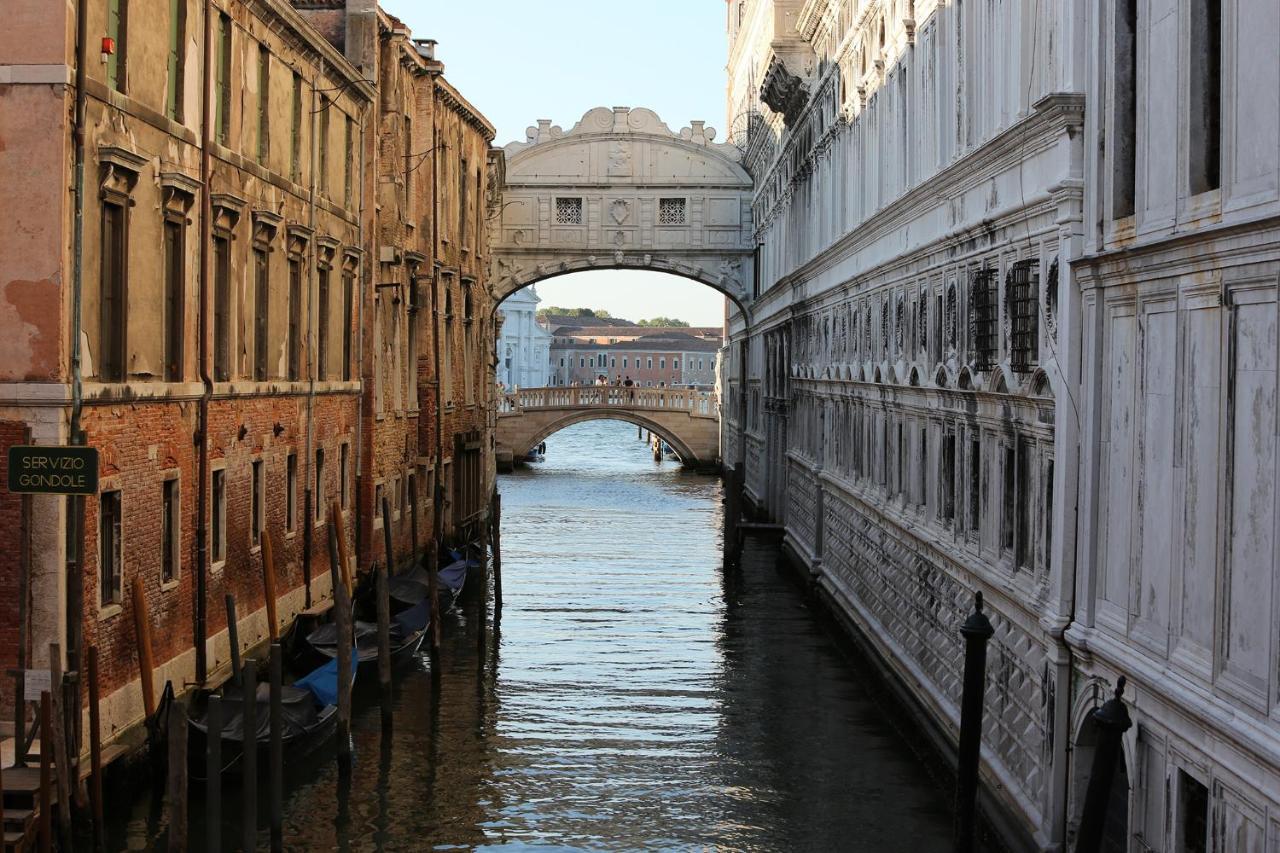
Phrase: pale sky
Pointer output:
(521, 60)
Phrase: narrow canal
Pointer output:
(634, 697)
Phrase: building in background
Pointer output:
(524, 346)
(664, 359)
(260, 301)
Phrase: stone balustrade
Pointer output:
(694, 403)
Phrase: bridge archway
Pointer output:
(686, 454)
(621, 190)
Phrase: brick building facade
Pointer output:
(237, 359)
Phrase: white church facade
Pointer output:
(524, 346)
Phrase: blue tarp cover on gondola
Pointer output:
(411, 620)
(322, 682)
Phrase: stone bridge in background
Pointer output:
(687, 420)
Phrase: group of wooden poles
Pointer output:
(56, 737)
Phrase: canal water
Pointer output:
(633, 696)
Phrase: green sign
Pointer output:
(53, 470)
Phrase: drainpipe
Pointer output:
(202, 425)
(311, 496)
(365, 264)
(75, 503)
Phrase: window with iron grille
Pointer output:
(951, 316)
(984, 319)
(568, 211)
(1022, 289)
(671, 211)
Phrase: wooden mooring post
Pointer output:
(342, 617)
(269, 586)
(46, 781)
(384, 644)
(175, 801)
(386, 535)
(213, 774)
(249, 754)
(146, 661)
(62, 771)
(95, 754)
(233, 637)
(976, 631)
(276, 755)
(497, 555)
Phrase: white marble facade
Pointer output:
(524, 347)
(1016, 331)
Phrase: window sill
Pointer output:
(290, 534)
(109, 611)
(218, 566)
(165, 586)
(254, 550)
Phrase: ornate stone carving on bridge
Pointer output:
(621, 189)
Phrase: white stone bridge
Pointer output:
(687, 420)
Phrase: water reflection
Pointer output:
(632, 696)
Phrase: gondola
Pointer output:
(408, 628)
(309, 715)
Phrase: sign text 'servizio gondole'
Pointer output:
(53, 470)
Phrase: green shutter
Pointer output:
(113, 33)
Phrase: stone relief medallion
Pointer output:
(517, 237)
(620, 159)
(620, 210)
(619, 238)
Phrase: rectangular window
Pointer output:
(322, 324)
(1009, 480)
(322, 146)
(1023, 544)
(650, 363)
(117, 31)
(222, 309)
(1122, 139)
(170, 531)
(344, 453)
(1047, 513)
(671, 211)
(264, 104)
(985, 307)
(261, 308)
(348, 161)
(1204, 157)
(569, 211)
(923, 479)
(348, 324)
(675, 364)
(462, 203)
(900, 447)
(294, 344)
(1023, 285)
(110, 551)
(946, 479)
(975, 485)
(411, 494)
(662, 363)
(256, 504)
(295, 132)
(378, 515)
(319, 486)
(222, 99)
(290, 491)
(219, 512)
(175, 79)
(624, 361)
(114, 314)
(174, 299)
(1193, 815)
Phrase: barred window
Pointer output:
(1022, 291)
(671, 211)
(951, 316)
(568, 211)
(985, 315)
(899, 325)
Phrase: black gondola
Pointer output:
(309, 715)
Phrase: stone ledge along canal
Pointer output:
(634, 697)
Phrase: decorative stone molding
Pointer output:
(783, 92)
(326, 249)
(298, 238)
(227, 210)
(266, 224)
(178, 191)
(119, 171)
